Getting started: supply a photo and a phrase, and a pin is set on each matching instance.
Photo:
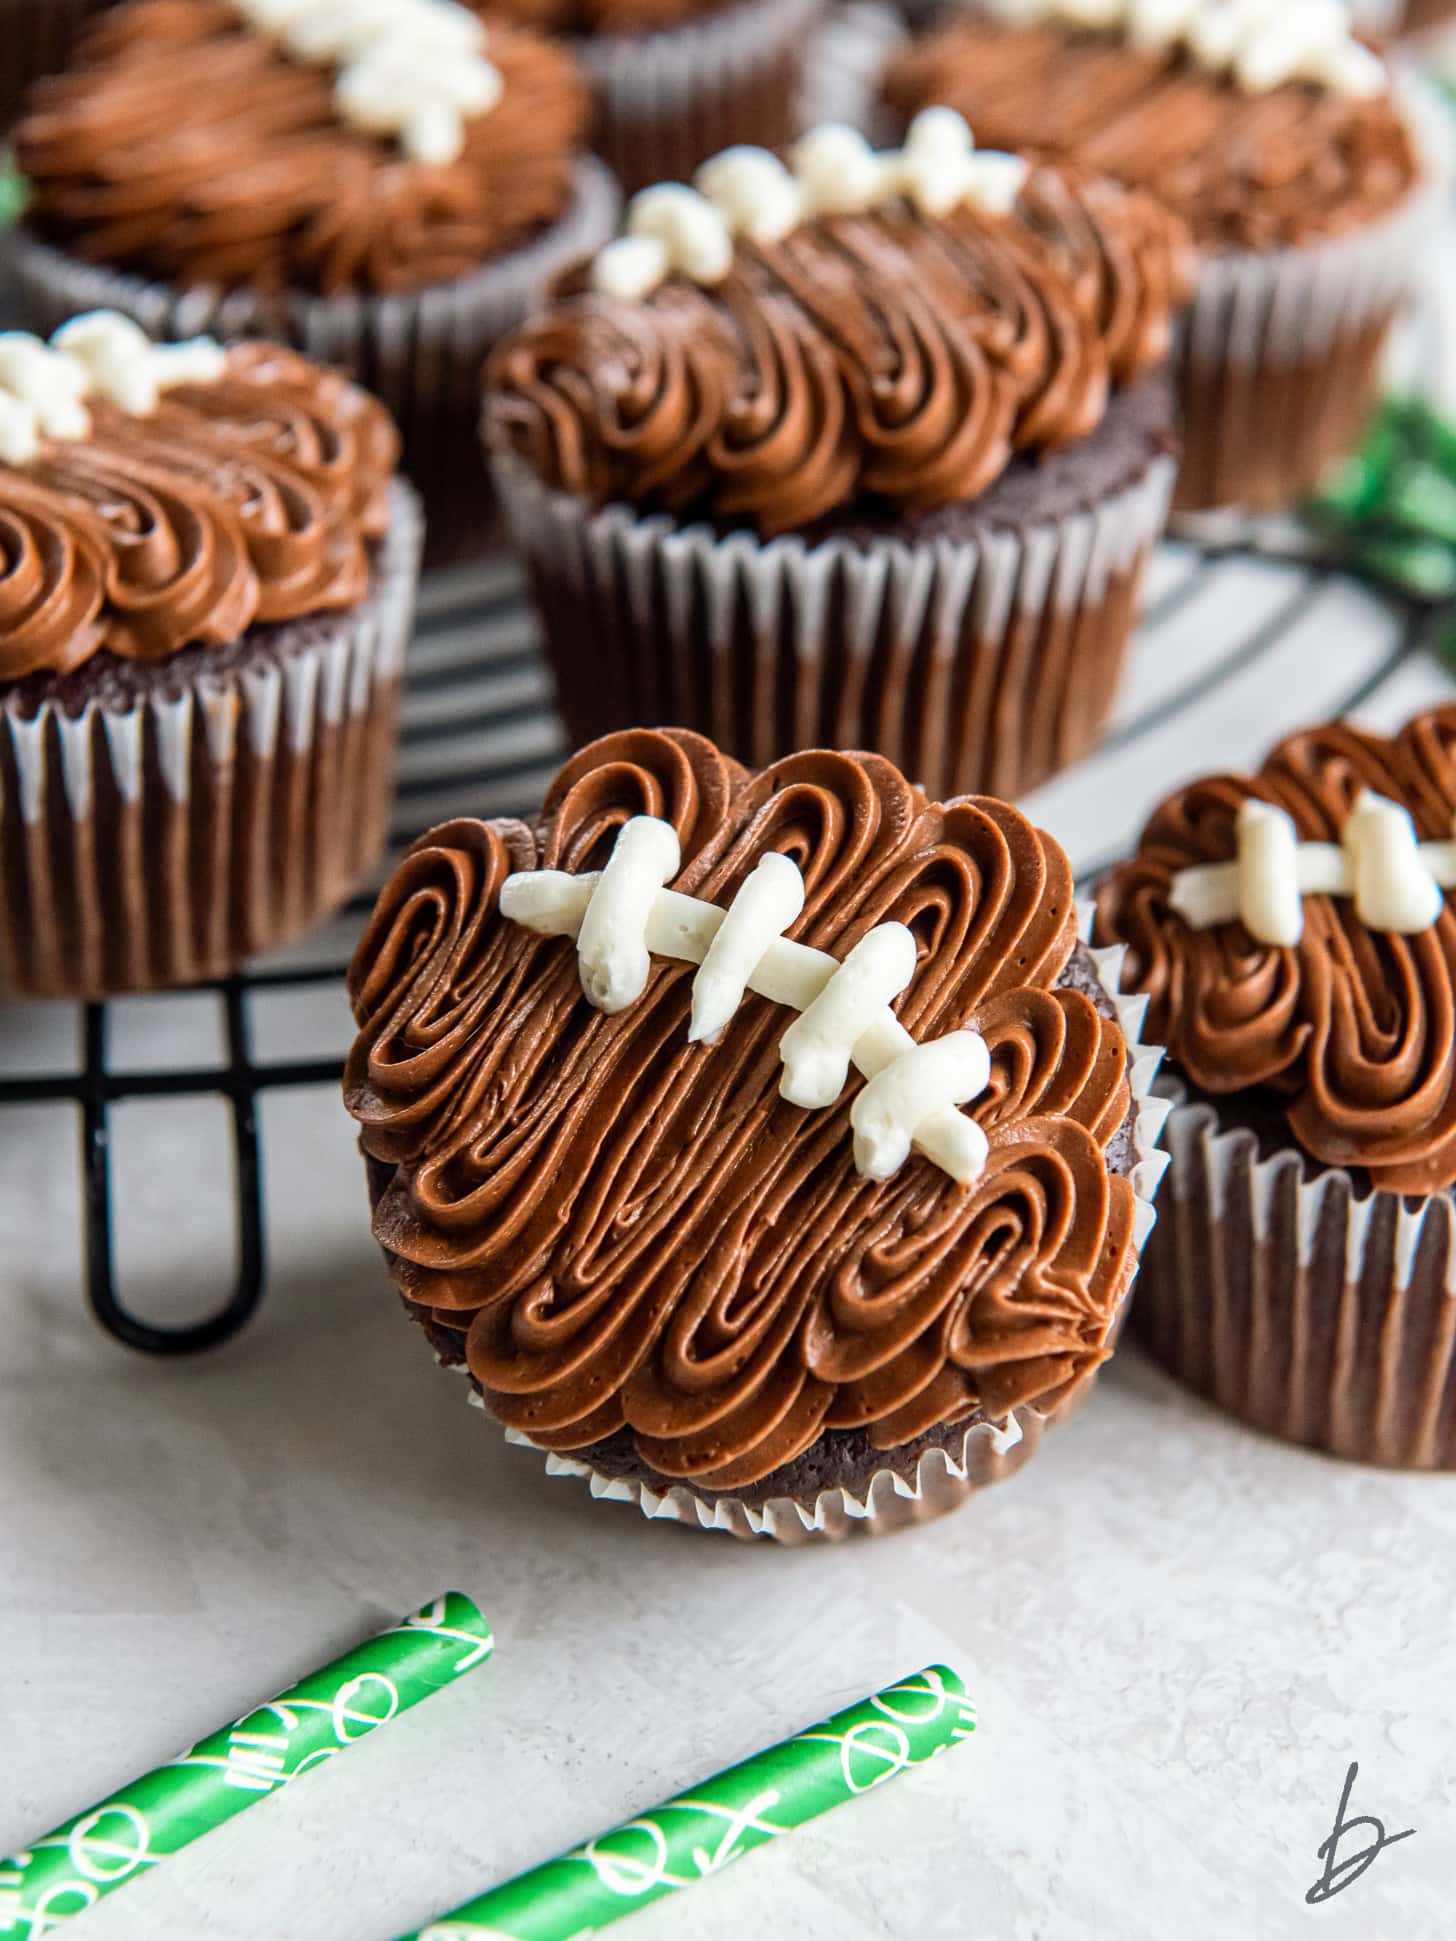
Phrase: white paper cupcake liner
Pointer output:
(421, 351)
(979, 664)
(842, 75)
(157, 842)
(1314, 1312)
(1280, 353)
(942, 1479)
(666, 101)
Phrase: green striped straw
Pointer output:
(67, 1871)
(700, 1833)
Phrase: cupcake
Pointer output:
(652, 1214)
(1294, 936)
(385, 191)
(37, 36)
(869, 455)
(1276, 136)
(206, 585)
(673, 81)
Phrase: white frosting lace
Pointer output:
(623, 915)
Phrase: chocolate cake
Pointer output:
(1294, 933)
(665, 1248)
(872, 458)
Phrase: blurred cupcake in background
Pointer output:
(674, 81)
(1403, 16)
(1308, 181)
(869, 454)
(386, 192)
(1294, 931)
(655, 1216)
(207, 577)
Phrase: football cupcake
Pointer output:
(1295, 934)
(866, 453)
(1276, 135)
(387, 190)
(627, 1178)
(673, 81)
(206, 585)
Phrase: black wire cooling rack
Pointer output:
(480, 737)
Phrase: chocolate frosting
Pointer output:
(1245, 171)
(619, 17)
(633, 1232)
(250, 499)
(1354, 1029)
(184, 146)
(887, 358)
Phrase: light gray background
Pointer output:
(1178, 1634)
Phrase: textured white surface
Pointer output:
(1178, 1634)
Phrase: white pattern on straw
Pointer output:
(1396, 881)
(623, 915)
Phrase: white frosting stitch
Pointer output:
(745, 191)
(1395, 880)
(817, 1045)
(1261, 44)
(43, 387)
(621, 916)
(769, 901)
(412, 69)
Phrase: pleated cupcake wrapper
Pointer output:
(1313, 1313)
(36, 37)
(842, 78)
(159, 841)
(420, 350)
(982, 663)
(666, 101)
(1281, 351)
(942, 1478)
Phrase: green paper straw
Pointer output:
(71, 1869)
(700, 1832)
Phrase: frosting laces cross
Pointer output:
(624, 915)
(748, 192)
(1396, 881)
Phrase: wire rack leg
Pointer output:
(101, 1277)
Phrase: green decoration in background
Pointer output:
(699, 1833)
(12, 191)
(1390, 508)
(69, 1870)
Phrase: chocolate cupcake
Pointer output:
(870, 455)
(1276, 136)
(387, 193)
(664, 1241)
(1294, 935)
(673, 81)
(206, 586)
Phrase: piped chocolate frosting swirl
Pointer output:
(886, 358)
(1352, 1029)
(251, 498)
(1245, 170)
(620, 17)
(185, 145)
(631, 1232)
